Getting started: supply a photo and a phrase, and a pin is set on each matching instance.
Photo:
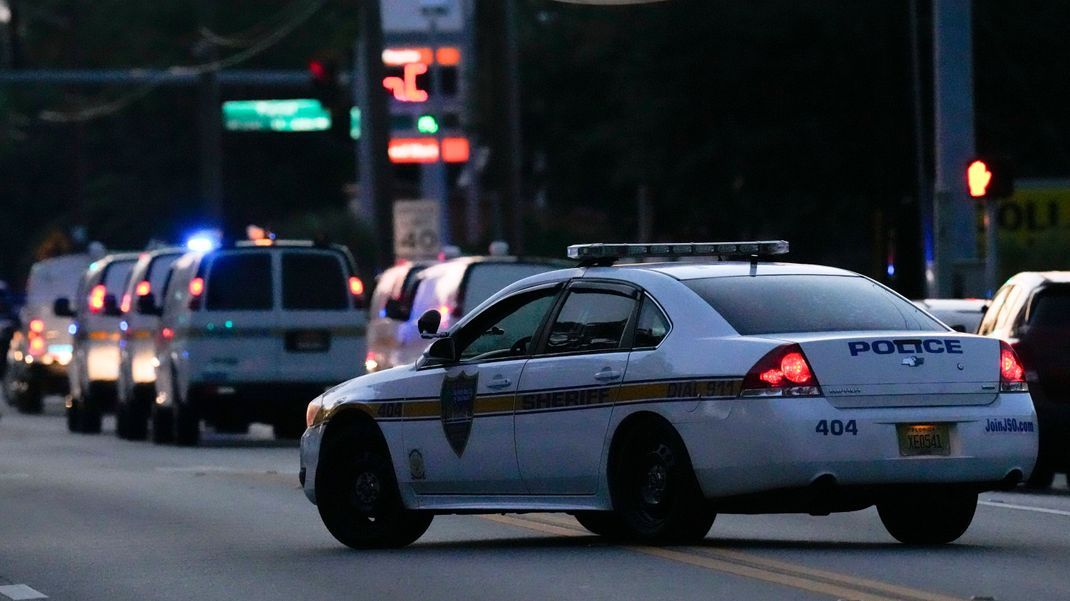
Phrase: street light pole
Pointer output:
(438, 176)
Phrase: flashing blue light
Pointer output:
(891, 269)
(72, 329)
(203, 241)
(123, 325)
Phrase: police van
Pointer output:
(137, 346)
(250, 333)
(647, 398)
(94, 369)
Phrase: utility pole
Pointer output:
(955, 218)
(375, 180)
(210, 125)
(515, 141)
(436, 177)
(923, 190)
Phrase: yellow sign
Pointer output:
(1034, 227)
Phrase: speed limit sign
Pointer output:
(416, 234)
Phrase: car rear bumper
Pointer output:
(747, 446)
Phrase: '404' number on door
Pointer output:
(836, 427)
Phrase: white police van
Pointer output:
(137, 341)
(646, 398)
(250, 333)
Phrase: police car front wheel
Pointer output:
(928, 517)
(357, 494)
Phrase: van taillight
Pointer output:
(37, 326)
(783, 371)
(356, 287)
(1011, 371)
(96, 298)
(143, 288)
(196, 289)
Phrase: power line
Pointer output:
(114, 106)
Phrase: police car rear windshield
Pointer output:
(776, 304)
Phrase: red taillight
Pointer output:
(784, 371)
(96, 298)
(37, 326)
(356, 287)
(196, 287)
(143, 288)
(125, 305)
(37, 346)
(1011, 372)
(167, 333)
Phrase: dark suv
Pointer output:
(1032, 312)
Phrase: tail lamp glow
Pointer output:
(1011, 371)
(96, 298)
(783, 371)
(196, 290)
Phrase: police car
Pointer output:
(645, 398)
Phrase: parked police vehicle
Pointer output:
(1031, 312)
(389, 310)
(137, 341)
(250, 333)
(40, 349)
(646, 398)
(94, 368)
(453, 288)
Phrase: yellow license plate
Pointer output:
(924, 439)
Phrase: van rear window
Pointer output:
(313, 281)
(1051, 308)
(116, 275)
(486, 279)
(775, 304)
(239, 282)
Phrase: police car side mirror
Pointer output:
(443, 349)
(394, 310)
(146, 305)
(428, 323)
(62, 307)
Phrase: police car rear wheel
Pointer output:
(163, 424)
(357, 494)
(928, 517)
(655, 493)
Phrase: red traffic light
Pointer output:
(317, 69)
(978, 177)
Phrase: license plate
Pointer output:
(308, 341)
(924, 439)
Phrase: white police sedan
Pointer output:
(645, 398)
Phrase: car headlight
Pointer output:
(315, 414)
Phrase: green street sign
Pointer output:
(301, 114)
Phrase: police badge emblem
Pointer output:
(458, 399)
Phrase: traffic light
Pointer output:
(323, 77)
(989, 177)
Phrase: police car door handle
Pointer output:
(607, 374)
(499, 382)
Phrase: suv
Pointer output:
(41, 348)
(137, 351)
(1031, 311)
(456, 287)
(252, 333)
(94, 369)
(390, 307)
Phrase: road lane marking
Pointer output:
(21, 592)
(1023, 507)
(746, 565)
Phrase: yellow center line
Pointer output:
(747, 565)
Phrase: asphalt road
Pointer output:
(92, 517)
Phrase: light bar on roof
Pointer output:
(757, 248)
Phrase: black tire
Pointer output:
(90, 418)
(122, 420)
(1041, 478)
(187, 425)
(163, 424)
(928, 517)
(602, 523)
(654, 490)
(73, 420)
(137, 420)
(357, 494)
(30, 399)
